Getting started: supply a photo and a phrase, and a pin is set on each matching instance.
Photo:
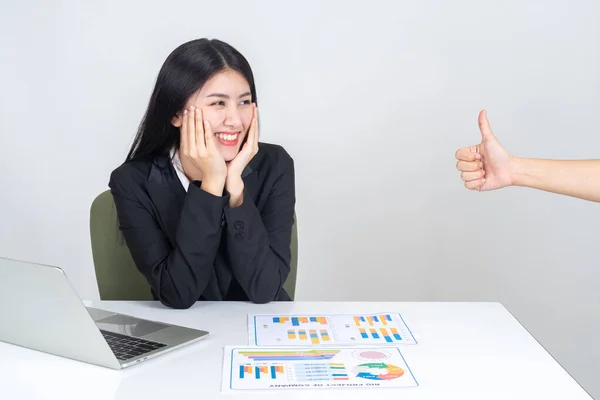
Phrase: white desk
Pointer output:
(465, 351)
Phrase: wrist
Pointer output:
(235, 185)
(213, 186)
(516, 171)
(235, 188)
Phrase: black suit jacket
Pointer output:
(192, 246)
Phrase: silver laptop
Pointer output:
(40, 310)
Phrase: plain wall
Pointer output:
(371, 99)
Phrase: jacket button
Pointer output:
(239, 225)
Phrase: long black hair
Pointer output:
(183, 73)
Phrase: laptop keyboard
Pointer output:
(127, 347)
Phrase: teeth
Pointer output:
(226, 137)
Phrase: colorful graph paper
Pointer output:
(305, 368)
(329, 330)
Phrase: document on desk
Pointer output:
(328, 330)
(309, 368)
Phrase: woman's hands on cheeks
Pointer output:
(234, 183)
(200, 158)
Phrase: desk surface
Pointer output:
(465, 350)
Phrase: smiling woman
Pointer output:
(206, 211)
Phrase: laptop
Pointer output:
(40, 310)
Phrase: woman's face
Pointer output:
(226, 102)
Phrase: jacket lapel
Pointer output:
(249, 176)
(167, 194)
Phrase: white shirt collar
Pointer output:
(179, 169)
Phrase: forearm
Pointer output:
(189, 268)
(179, 282)
(575, 178)
(179, 272)
(260, 260)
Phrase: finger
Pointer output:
(469, 166)
(208, 136)
(484, 126)
(475, 185)
(467, 154)
(472, 176)
(184, 142)
(199, 131)
(191, 135)
(250, 144)
(254, 129)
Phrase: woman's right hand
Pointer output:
(486, 166)
(200, 158)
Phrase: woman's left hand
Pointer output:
(234, 183)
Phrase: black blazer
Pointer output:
(192, 246)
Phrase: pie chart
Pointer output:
(378, 371)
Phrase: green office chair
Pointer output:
(116, 274)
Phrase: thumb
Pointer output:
(485, 127)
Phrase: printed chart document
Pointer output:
(328, 330)
(310, 368)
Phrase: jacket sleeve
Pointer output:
(179, 274)
(259, 242)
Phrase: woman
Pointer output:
(488, 166)
(206, 212)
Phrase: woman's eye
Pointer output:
(218, 103)
(246, 102)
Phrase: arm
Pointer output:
(576, 178)
(259, 245)
(488, 166)
(179, 275)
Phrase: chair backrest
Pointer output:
(117, 276)
(290, 284)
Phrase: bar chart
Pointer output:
(389, 336)
(329, 330)
(261, 372)
(373, 320)
(298, 321)
(289, 355)
(315, 336)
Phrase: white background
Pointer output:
(371, 99)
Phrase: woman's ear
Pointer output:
(176, 120)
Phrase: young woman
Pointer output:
(488, 166)
(206, 211)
